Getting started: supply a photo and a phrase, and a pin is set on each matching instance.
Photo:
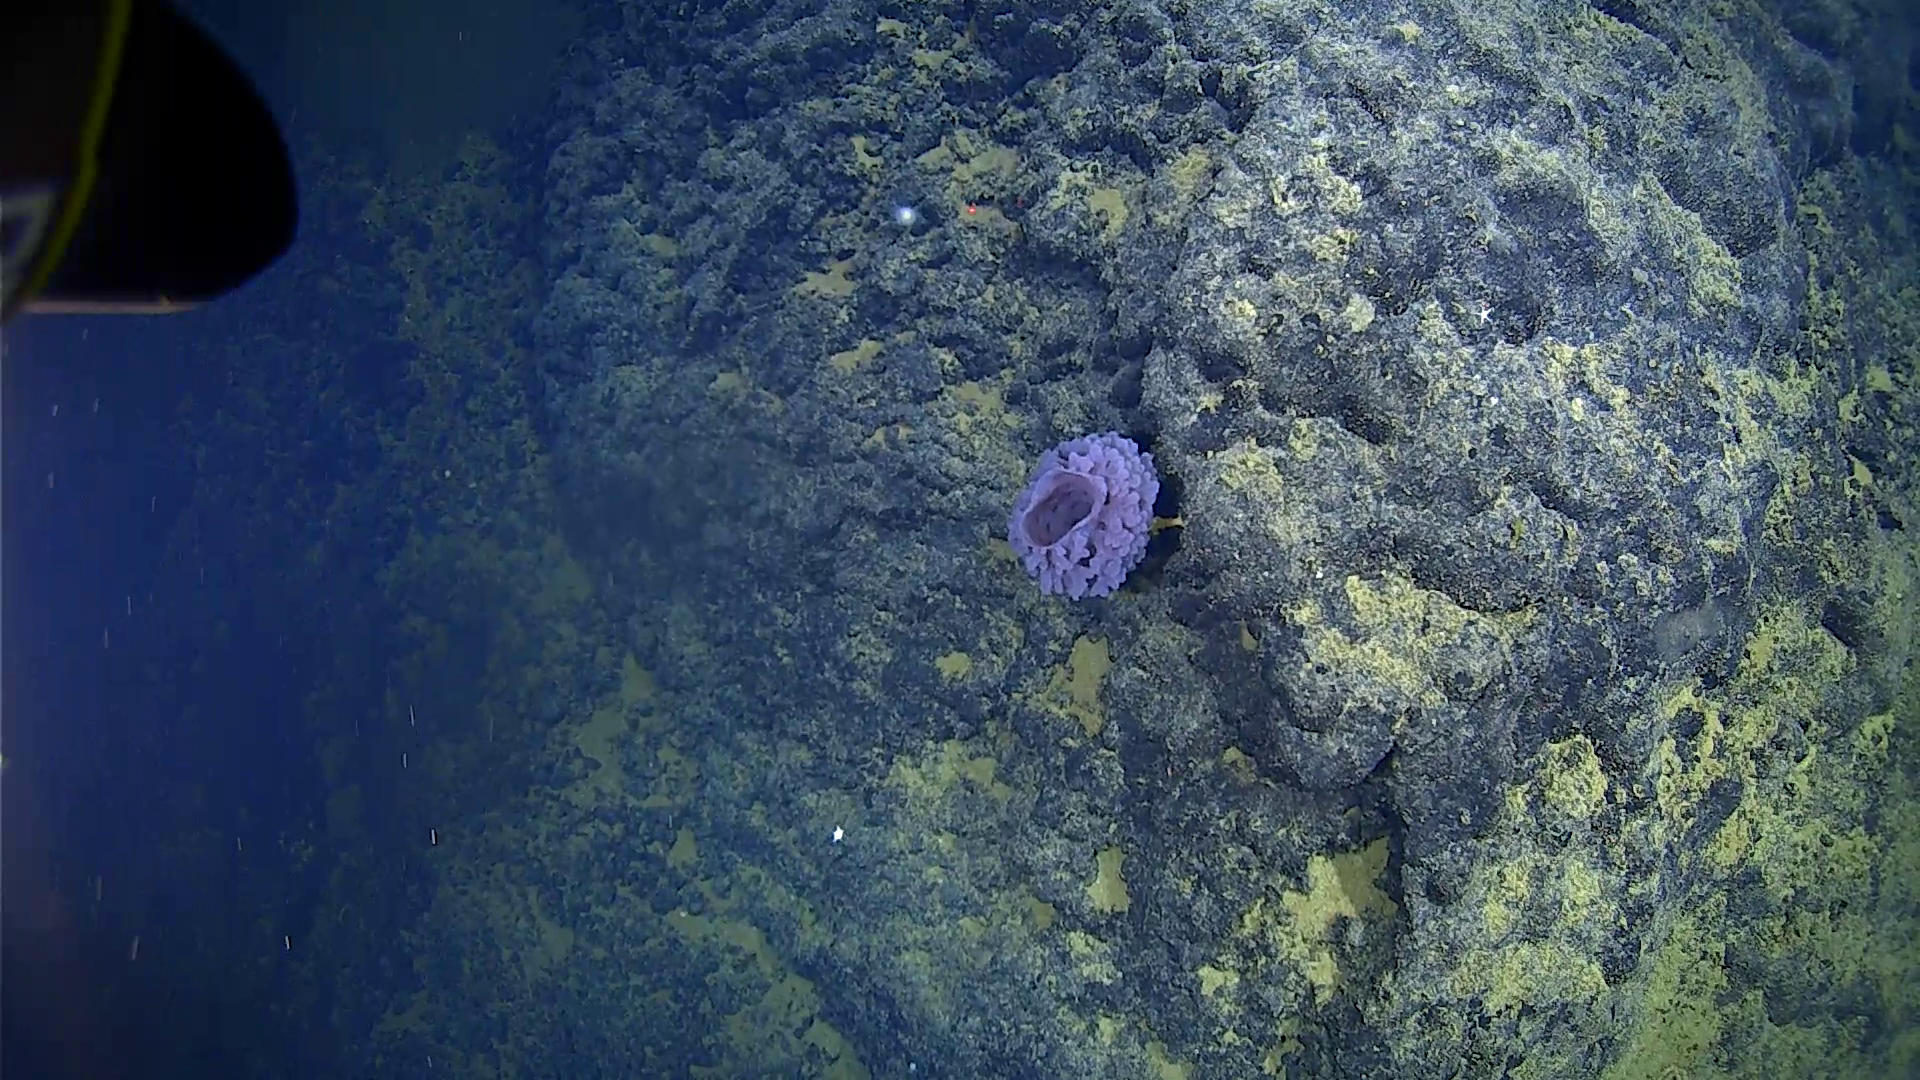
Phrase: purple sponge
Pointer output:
(1082, 523)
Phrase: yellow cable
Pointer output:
(113, 46)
